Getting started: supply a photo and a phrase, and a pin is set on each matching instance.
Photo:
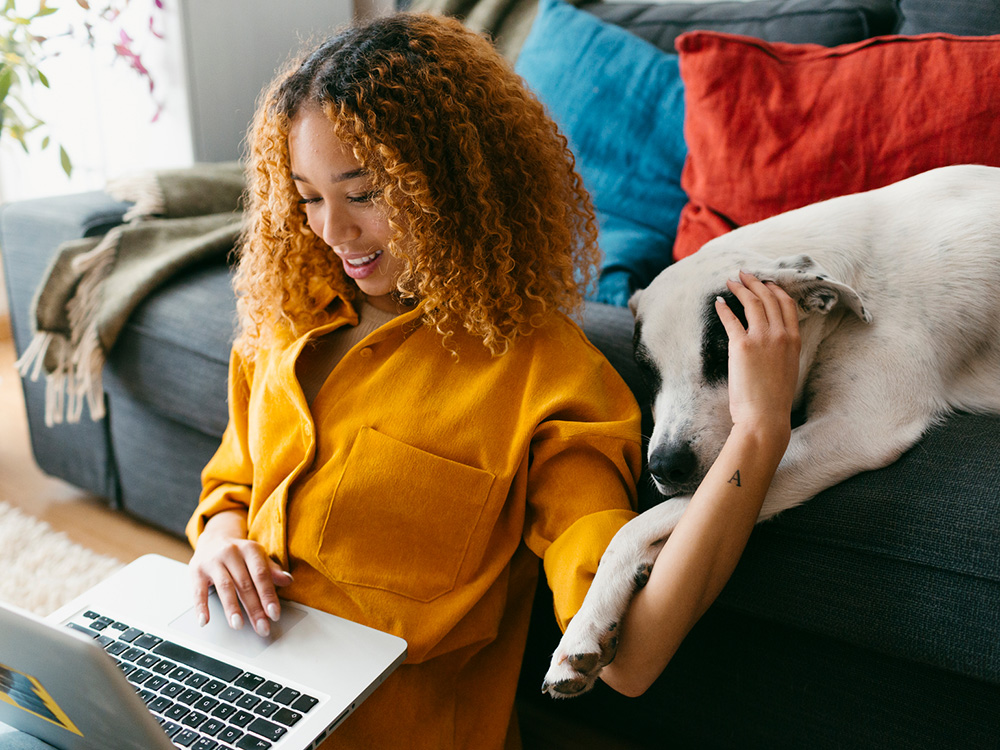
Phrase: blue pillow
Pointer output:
(620, 102)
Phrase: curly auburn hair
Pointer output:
(487, 212)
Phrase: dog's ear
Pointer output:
(815, 290)
(633, 302)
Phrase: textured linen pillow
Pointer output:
(970, 17)
(772, 127)
(620, 103)
(826, 22)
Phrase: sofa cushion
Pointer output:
(901, 560)
(968, 17)
(772, 127)
(173, 354)
(620, 103)
(826, 22)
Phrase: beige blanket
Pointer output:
(180, 217)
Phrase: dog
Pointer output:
(898, 295)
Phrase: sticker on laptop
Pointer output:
(25, 692)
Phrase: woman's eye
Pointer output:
(364, 198)
(307, 201)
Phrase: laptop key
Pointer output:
(286, 716)
(214, 687)
(249, 681)
(224, 710)
(267, 729)
(164, 667)
(305, 703)
(172, 689)
(269, 689)
(130, 635)
(116, 648)
(286, 695)
(184, 738)
(193, 719)
(81, 629)
(160, 704)
(231, 694)
(147, 641)
(201, 662)
(229, 734)
(241, 718)
(250, 742)
(205, 744)
(212, 727)
(266, 708)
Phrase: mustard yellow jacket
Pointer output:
(417, 495)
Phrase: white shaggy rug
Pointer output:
(40, 568)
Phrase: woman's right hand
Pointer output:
(241, 572)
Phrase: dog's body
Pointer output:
(899, 304)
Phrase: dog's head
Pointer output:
(682, 350)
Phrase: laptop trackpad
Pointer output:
(243, 641)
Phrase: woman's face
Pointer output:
(341, 208)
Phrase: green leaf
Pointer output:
(45, 12)
(64, 160)
(45, 142)
(42, 79)
(6, 79)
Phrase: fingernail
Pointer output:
(236, 621)
(719, 299)
(202, 620)
(272, 611)
(263, 628)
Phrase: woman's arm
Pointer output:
(701, 553)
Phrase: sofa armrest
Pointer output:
(30, 233)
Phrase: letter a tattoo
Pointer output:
(735, 479)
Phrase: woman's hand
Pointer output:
(241, 572)
(764, 356)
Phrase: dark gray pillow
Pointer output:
(825, 22)
(963, 17)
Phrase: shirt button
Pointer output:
(366, 352)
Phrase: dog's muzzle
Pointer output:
(673, 467)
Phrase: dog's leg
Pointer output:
(819, 457)
(591, 639)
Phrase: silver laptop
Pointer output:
(126, 665)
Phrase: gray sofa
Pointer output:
(869, 617)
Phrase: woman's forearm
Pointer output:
(698, 558)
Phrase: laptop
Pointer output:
(126, 666)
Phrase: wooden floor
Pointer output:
(81, 516)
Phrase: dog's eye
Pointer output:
(715, 343)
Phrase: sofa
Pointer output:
(869, 616)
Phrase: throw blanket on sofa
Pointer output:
(180, 217)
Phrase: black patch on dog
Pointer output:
(715, 341)
(648, 370)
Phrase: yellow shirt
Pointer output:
(418, 494)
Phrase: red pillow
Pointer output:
(771, 127)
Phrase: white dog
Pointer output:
(898, 292)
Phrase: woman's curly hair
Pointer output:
(487, 212)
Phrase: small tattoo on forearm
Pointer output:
(735, 479)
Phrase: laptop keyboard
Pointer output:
(202, 703)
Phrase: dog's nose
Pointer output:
(672, 464)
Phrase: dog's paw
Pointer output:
(579, 660)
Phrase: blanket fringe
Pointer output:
(77, 361)
(141, 189)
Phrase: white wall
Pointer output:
(215, 58)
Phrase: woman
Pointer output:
(414, 420)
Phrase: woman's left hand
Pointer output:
(764, 356)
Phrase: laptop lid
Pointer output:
(59, 683)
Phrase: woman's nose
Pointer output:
(338, 227)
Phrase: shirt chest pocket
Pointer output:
(403, 520)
